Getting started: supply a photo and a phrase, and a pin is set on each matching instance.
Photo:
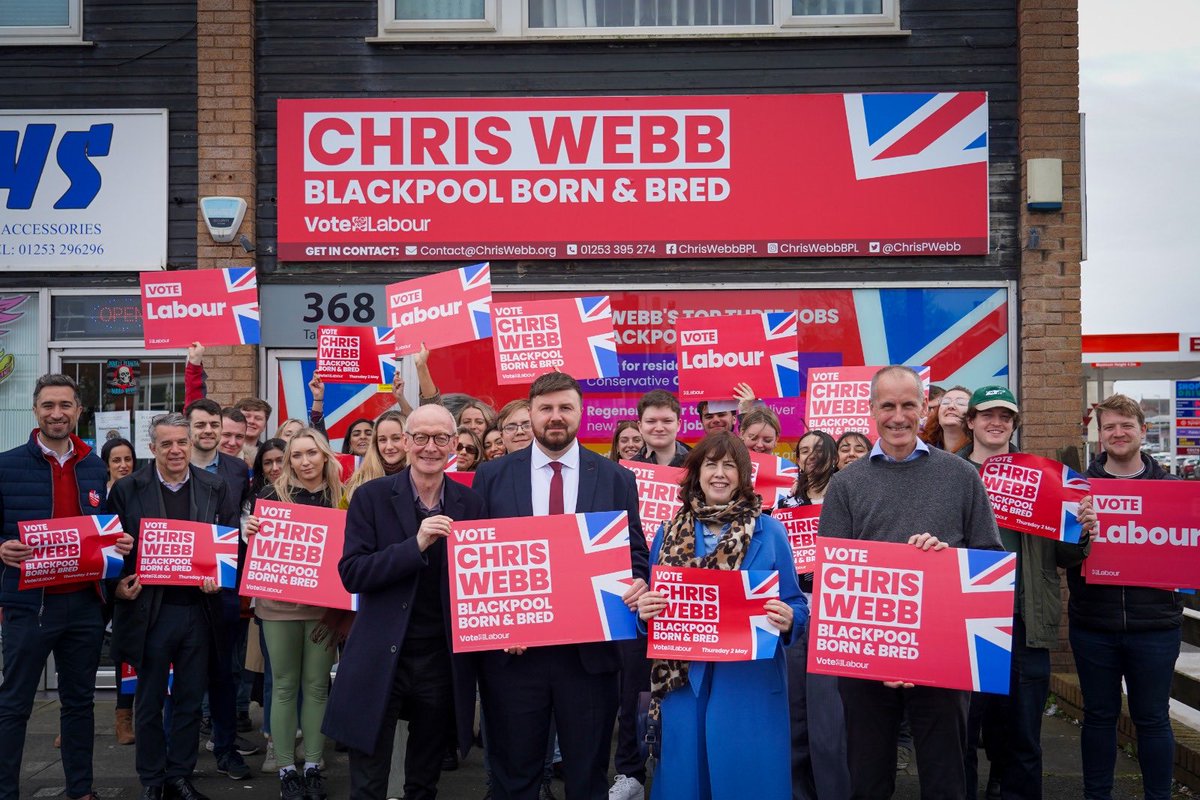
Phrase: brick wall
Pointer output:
(225, 144)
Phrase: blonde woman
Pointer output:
(386, 457)
(310, 477)
(288, 428)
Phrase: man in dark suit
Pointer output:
(398, 657)
(520, 688)
(155, 627)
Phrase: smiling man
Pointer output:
(658, 422)
(906, 492)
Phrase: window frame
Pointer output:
(507, 20)
(71, 33)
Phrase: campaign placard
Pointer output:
(70, 550)
(294, 556)
(177, 552)
(540, 580)
(890, 612)
(801, 524)
(1147, 534)
(347, 464)
(839, 399)
(210, 306)
(465, 478)
(773, 477)
(443, 309)
(658, 494)
(355, 354)
(572, 335)
(1035, 495)
(713, 614)
(715, 354)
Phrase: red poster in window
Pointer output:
(572, 335)
(773, 477)
(715, 354)
(211, 306)
(839, 399)
(355, 354)
(1147, 534)
(294, 556)
(1035, 495)
(713, 614)
(658, 494)
(70, 550)
(441, 310)
(176, 552)
(801, 524)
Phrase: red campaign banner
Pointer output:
(1035, 495)
(801, 524)
(294, 556)
(211, 306)
(839, 399)
(715, 354)
(572, 335)
(355, 354)
(890, 612)
(535, 581)
(70, 550)
(467, 479)
(177, 552)
(604, 177)
(658, 494)
(713, 614)
(1147, 534)
(347, 463)
(773, 477)
(441, 310)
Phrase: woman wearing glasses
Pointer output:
(947, 428)
(469, 448)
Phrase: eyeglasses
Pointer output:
(513, 427)
(468, 448)
(440, 439)
(949, 401)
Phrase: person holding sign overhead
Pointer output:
(724, 726)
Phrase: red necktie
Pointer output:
(556, 488)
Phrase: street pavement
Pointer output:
(41, 772)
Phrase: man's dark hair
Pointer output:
(554, 382)
(203, 404)
(234, 414)
(56, 379)
(658, 398)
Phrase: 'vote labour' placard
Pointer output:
(717, 353)
(773, 477)
(70, 550)
(211, 306)
(658, 494)
(440, 310)
(891, 612)
(1148, 534)
(572, 335)
(801, 525)
(294, 556)
(176, 552)
(540, 580)
(713, 614)
(355, 354)
(1035, 495)
(839, 399)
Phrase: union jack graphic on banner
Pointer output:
(479, 276)
(897, 134)
(989, 639)
(603, 530)
(784, 366)
(603, 346)
(227, 562)
(114, 562)
(761, 585)
(773, 477)
(616, 618)
(1071, 528)
(243, 279)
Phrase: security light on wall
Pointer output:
(223, 216)
(1044, 184)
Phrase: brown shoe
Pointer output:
(124, 726)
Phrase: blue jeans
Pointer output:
(1146, 660)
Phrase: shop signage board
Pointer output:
(713, 614)
(1187, 418)
(734, 176)
(1148, 534)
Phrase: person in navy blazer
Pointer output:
(394, 558)
(522, 688)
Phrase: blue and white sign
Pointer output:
(83, 190)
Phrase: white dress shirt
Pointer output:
(541, 473)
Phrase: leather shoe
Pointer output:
(181, 789)
(151, 793)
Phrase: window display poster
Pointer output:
(20, 353)
(113, 425)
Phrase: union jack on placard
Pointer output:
(227, 562)
(761, 585)
(603, 530)
(896, 134)
(240, 279)
(989, 639)
(479, 276)
(246, 316)
(616, 619)
(385, 341)
(1070, 528)
(592, 309)
(114, 562)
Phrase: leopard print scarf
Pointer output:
(679, 550)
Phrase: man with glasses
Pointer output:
(394, 558)
(514, 426)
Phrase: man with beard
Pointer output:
(521, 688)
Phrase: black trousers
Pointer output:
(519, 695)
(635, 679)
(422, 693)
(179, 637)
(938, 718)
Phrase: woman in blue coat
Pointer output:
(724, 725)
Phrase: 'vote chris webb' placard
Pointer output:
(801, 525)
(176, 552)
(70, 550)
(294, 556)
(348, 354)
(443, 309)
(211, 306)
(570, 334)
(1035, 495)
(658, 494)
(717, 353)
(891, 612)
(1148, 534)
(839, 399)
(540, 580)
(713, 614)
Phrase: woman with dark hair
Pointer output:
(731, 710)
(816, 455)
(946, 425)
(358, 436)
(268, 465)
(493, 443)
(468, 448)
(626, 441)
(851, 446)
(117, 455)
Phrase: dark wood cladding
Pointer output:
(319, 49)
(143, 55)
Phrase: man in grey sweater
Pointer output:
(906, 492)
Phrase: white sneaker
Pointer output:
(626, 788)
(269, 763)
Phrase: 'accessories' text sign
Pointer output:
(890, 612)
(572, 335)
(801, 525)
(70, 550)
(294, 556)
(715, 354)
(713, 614)
(540, 580)
(210, 306)
(658, 494)
(1035, 495)
(355, 355)
(176, 552)
(443, 309)
(1148, 534)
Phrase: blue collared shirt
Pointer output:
(921, 449)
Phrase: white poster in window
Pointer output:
(141, 426)
(20, 349)
(112, 425)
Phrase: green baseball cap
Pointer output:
(986, 397)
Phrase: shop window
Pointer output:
(26, 22)
(581, 19)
